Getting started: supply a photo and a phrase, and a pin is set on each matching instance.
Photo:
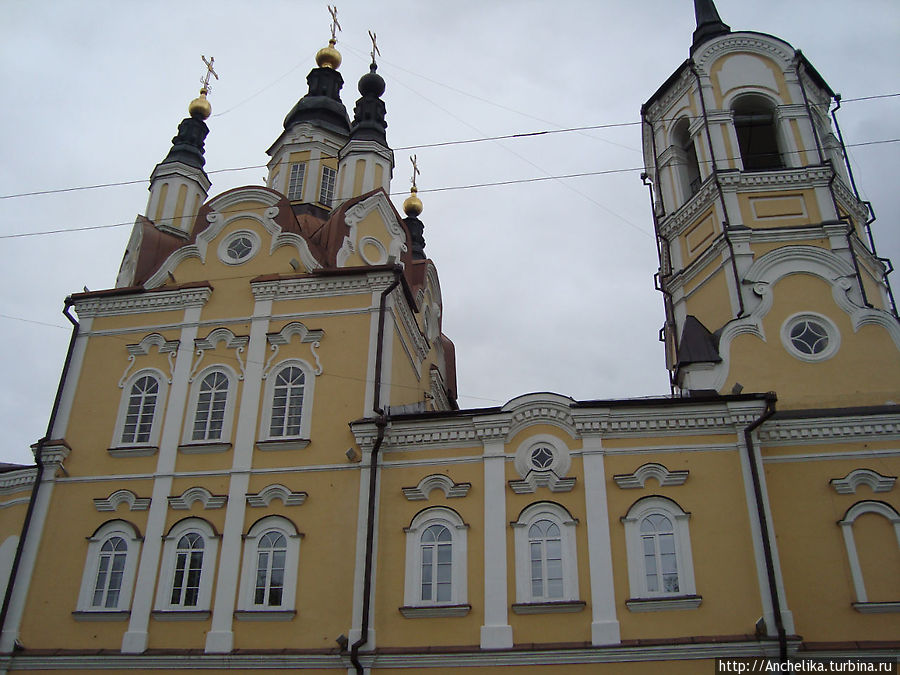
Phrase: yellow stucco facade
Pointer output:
(257, 462)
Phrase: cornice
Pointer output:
(138, 303)
(320, 286)
(809, 176)
(676, 91)
(758, 43)
(815, 430)
(676, 223)
(420, 344)
(15, 481)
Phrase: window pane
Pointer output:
(554, 588)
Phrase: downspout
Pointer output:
(381, 423)
(39, 462)
(715, 173)
(764, 526)
(871, 219)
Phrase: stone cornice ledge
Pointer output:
(664, 603)
(20, 479)
(411, 612)
(136, 303)
(316, 286)
(814, 430)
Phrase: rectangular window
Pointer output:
(326, 194)
(295, 182)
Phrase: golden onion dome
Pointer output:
(412, 207)
(329, 57)
(200, 108)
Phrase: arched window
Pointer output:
(212, 398)
(189, 558)
(875, 584)
(188, 566)
(140, 411)
(142, 398)
(687, 166)
(754, 124)
(436, 564)
(436, 551)
(109, 568)
(269, 569)
(287, 408)
(287, 402)
(660, 563)
(546, 559)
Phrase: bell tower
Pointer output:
(768, 269)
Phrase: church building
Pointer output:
(256, 459)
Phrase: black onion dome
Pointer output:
(368, 115)
(322, 105)
(187, 146)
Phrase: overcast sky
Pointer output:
(547, 286)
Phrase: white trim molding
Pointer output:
(270, 493)
(100, 590)
(119, 497)
(186, 499)
(676, 530)
(862, 603)
(638, 478)
(542, 460)
(851, 482)
(552, 528)
(282, 536)
(192, 602)
(436, 481)
(448, 523)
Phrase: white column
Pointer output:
(53, 457)
(496, 633)
(136, 637)
(604, 622)
(220, 638)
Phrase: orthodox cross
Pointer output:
(415, 171)
(375, 49)
(209, 71)
(335, 26)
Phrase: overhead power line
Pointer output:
(439, 144)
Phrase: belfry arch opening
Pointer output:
(688, 167)
(754, 124)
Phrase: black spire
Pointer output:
(187, 146)
(322, 105)
(368, 115)
(709, 25)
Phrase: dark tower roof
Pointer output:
(368, 115)
(322, 105)
(709, 25)
(187, 146)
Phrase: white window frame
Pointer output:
(412, 598)
(113, 528)
(297, 193)
(225, 255)
(560, 516)
(158, 411)
(247, 608)
(641, 599)
(327, 186)
(207, 568)
(188, 442)
(305, 413)
(862, 603)
(831, 331)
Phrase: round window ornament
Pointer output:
(810, 337)
(238, 247)
(542, 458)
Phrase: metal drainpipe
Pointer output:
(39, 462)
(764, 526)
(381, 424)
(871, 218)
(667, 299)
(715, 173)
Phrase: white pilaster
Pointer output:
(220, 638)
(136, 637)
(604, 622)
(53, 460)
(496, 633)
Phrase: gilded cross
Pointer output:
(416, 171)
(209, 71)
(335, 26)
(375, 49)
